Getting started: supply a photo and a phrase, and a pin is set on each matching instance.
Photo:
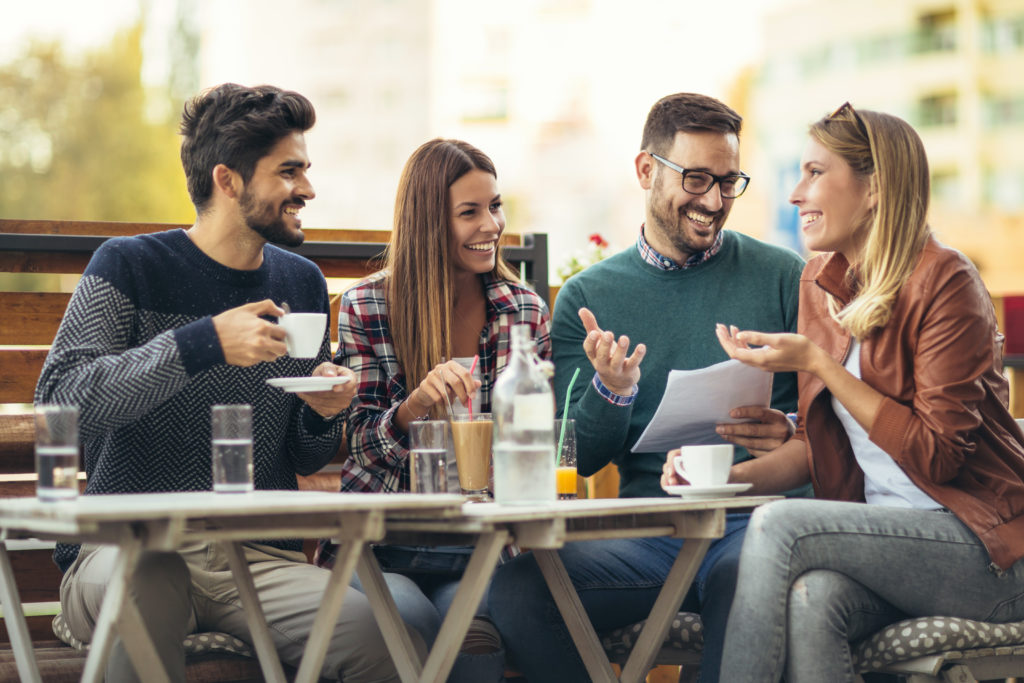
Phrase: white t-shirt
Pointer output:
(885, 482)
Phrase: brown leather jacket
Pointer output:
(944, 418)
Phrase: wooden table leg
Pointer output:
(576, 619)
(456, 623)
(14, 618)
(702, 528)
(266, 652)
(677, 583)
(356, 529)
(137, 643)
(392, 628)
(113, 612)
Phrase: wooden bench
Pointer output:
(30, 321)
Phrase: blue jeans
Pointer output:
(817, 575)
(617, 581)
(423, 600)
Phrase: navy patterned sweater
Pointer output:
(138, 353)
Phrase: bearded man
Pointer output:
(684, 274)
(163, 326)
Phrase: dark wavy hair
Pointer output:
(236, 126)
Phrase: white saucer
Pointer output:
(723, 491)
(301, 384)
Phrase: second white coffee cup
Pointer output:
(706, 465)
(304, 333)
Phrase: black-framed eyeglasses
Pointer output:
(701, 182)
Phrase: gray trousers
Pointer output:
(816, 575)
(193, 591)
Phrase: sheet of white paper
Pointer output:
(696, 400)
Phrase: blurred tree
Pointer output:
(75, 142)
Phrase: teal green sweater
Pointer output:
(748, 283)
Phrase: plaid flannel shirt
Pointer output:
(378, 449)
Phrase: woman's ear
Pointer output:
(873, 192)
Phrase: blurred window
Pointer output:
(880, 48)
(946, 185)
(936, 32)
(1002, 35)
(937, 110)
(1006, 110)
(1004, 189)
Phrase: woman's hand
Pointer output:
(795, 352)
(774, 352)
(446, 382)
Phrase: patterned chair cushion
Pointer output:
(195, 643)
(930, 635)
(685, 633)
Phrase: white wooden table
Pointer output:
(167, 521)
(544, 529)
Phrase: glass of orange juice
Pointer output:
(565, 473)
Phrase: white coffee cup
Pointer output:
(304, 333)
(706, 465)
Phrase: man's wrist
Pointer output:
(612, 396)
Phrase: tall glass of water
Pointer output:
(231, 429)
(428, 456)
(56, 452)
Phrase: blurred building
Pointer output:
(366, 66)
(555, 91)
(951, 68)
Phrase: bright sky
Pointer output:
(727, 33)
(78, 24)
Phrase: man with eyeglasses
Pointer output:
(666, 293)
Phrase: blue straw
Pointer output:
(565, 411)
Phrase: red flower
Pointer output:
(597, 240)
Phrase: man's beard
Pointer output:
(674, 226)
(268, 223)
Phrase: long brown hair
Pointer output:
(420, 290)
(886, 152)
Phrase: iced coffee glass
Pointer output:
(471, 441)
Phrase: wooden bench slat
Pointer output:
(17, 226)
(17, 445)
(37, 576)
(59, 663)
(31, 317)
(39, 629)
(19, 371)
(42, 262)
(110, 228)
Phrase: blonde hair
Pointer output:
(886, 152)
(419, 291)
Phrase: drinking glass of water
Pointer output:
(56, 452)
(232, 448)
(428, 456)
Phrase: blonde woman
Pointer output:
(902, 406)
(445, 293)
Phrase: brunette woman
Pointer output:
(444, 293)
